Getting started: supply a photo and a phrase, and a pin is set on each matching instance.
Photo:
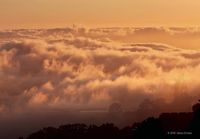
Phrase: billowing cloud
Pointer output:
(67, 69)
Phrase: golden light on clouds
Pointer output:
(80, 68)
(51, 13)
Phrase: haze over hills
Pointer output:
(167, 125)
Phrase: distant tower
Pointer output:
(73, 26)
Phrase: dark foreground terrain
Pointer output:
(167, 125)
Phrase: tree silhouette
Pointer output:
(195, 125)
(150, 128)
(115, 108)
(155, 128)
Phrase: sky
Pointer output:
(59, 13)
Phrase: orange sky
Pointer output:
(60, 13)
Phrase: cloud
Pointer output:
(72, 65)
(67, 69)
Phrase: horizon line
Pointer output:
(97, 27)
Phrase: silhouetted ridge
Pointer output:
(176, 121)
(167, 125)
